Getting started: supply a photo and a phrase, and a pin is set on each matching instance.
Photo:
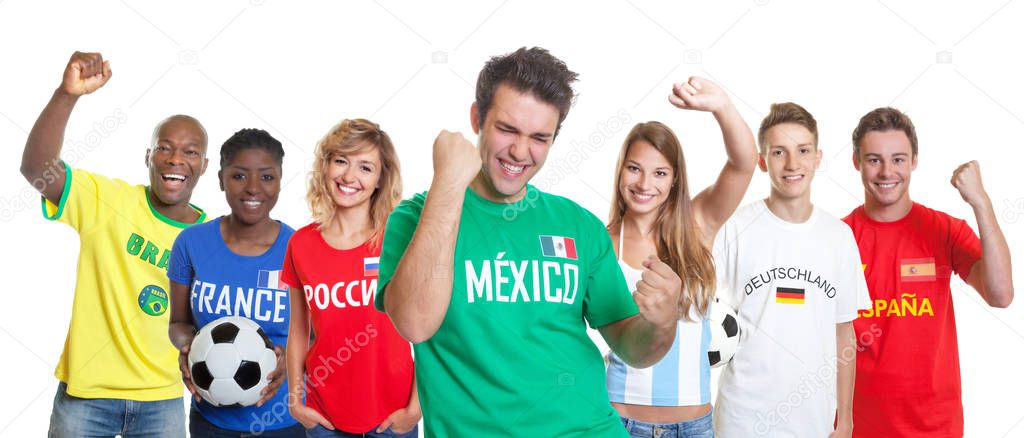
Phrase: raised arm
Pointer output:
(715, 204)
(991, 276)
(40, 162)
(418, 294)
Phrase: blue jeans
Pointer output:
(199, 427)
(696, 428)
(75, 417)
(319, 431)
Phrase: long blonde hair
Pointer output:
(350, 136)
(677, 237)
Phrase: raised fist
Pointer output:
(456, 159)
(699, 94)
(967, 179)
(657, 293)
(85, 73)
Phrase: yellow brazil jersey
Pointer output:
(117, 344)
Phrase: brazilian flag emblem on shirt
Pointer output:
(153, 300)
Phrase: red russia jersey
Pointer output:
(358, 369)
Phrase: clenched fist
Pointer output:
(967, 179)
(85, 73)
(657, 293)
(456, 160)
(699, 94)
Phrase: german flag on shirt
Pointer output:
(917, 269)
(789, 295)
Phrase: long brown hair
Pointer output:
(349, 136)
(677, 237)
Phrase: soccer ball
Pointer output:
(230, 359)
(725, 334)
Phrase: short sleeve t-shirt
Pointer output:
(790, 284)
(512, 353)
(117, 344)
(358, 369)
(222, 283)
(908, 264)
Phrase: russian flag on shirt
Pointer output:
(558, 246)
(270, 280)
(371, 266)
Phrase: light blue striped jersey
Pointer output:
(681, 378)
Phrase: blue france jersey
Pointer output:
(222, 283)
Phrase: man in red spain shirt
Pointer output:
(908, 367)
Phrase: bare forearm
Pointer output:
(417, 297)
(995, 256)
(181, 333)
(298, 343)
(716, 204)
(42, 149)
(642, 344)
(739, 140)
(295, 361)
(846, 359)
(180, 329)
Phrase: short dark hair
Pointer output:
(786, 112)
(156, 130)
(533, 71)
(884, 119)
(250, 138)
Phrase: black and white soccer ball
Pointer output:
(725, 334)
(230, 359)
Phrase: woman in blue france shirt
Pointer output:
(230, 267)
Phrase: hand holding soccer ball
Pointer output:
(186, 372)
(230, 362)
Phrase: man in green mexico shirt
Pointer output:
(494, 281)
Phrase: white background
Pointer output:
(296, 70)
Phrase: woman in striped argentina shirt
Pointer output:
(652, 213)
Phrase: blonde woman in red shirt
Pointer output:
(358, 371)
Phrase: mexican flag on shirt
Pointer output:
(513, 354)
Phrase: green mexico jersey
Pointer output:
(513, 356)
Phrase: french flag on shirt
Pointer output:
(558, 246)
(271, 280)
(371, 266)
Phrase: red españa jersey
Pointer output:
(358, 369)
(908, 365)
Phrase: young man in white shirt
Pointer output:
(794, 276)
